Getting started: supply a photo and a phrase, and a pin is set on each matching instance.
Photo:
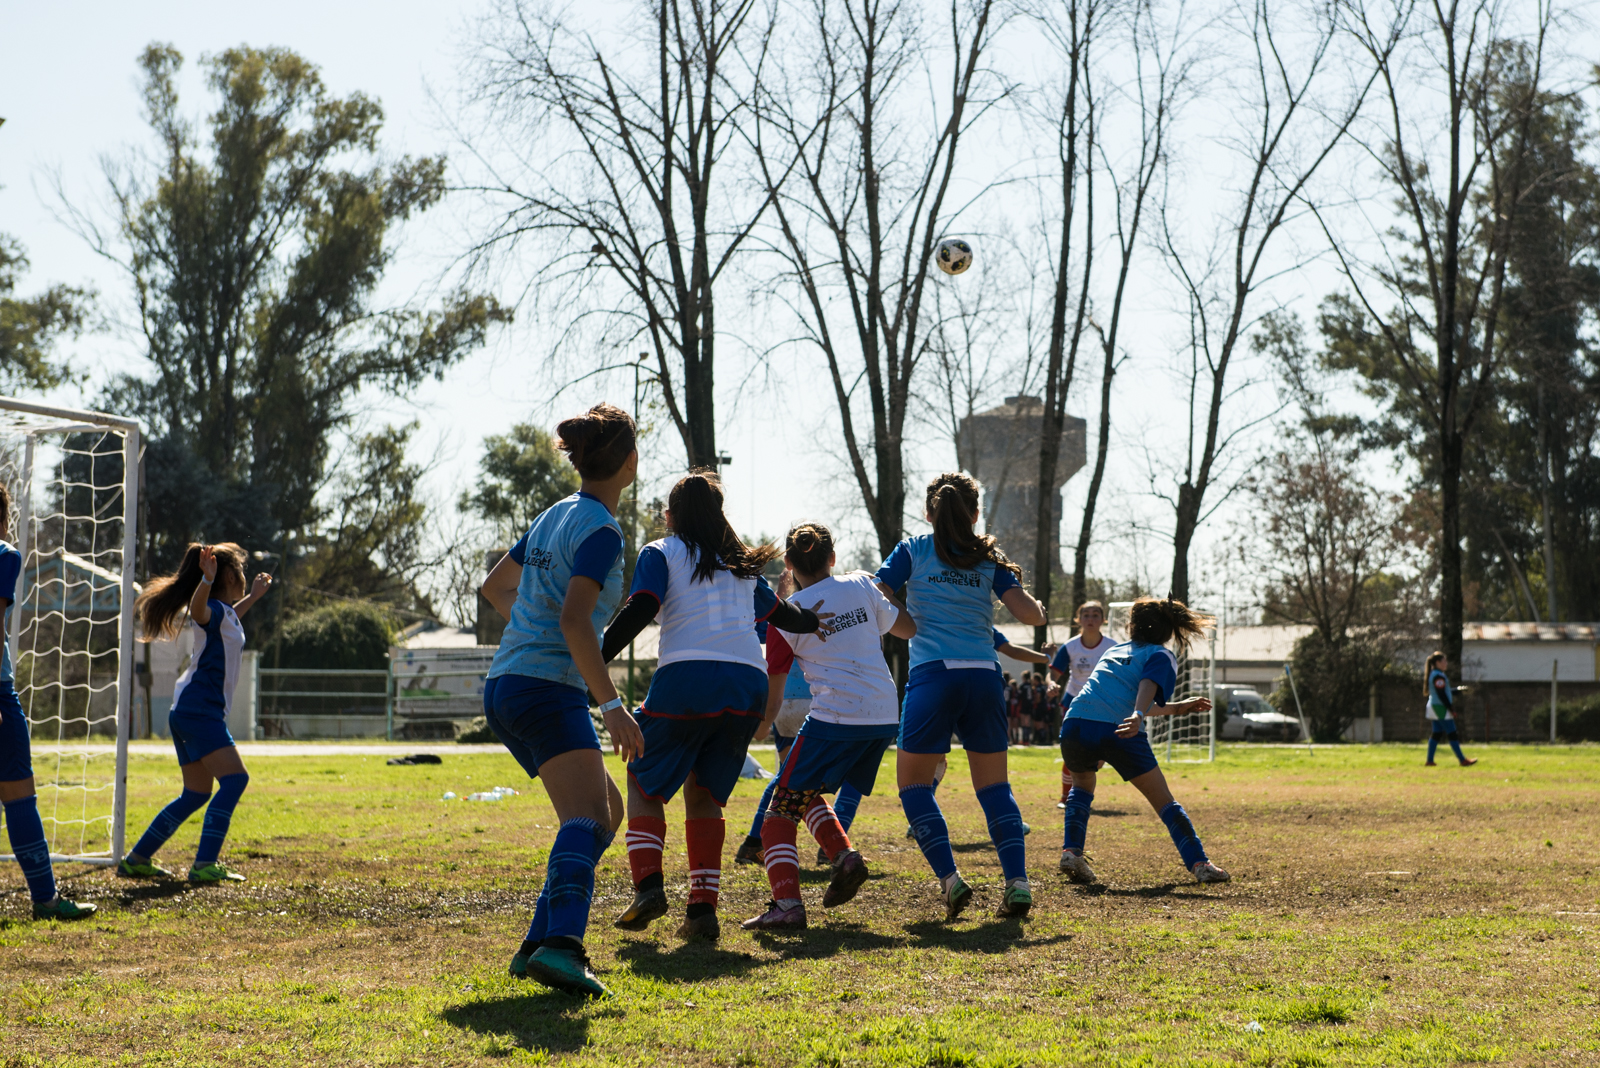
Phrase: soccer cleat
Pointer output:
(215, 872)
(1430, 764)
(1016, 901)
(911, 832)
(700, 928)
(566, 970)
(144, 869)
(648, 905)
(956, 898)
(1062, 803)
(823, 860)
(778, 918)
(62, 909)
(519, 964)
(1026, 830)
(1207, 872)
(749, 851)
(848, 875)
(1076, 868)
(1467, 762)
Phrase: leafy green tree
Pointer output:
(29, 328)
(341, 636)
(255, 246)
(521, 474)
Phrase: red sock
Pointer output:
(824, 827)
(647, 835)
(704, 838)
(782, 858)
(1066, 781)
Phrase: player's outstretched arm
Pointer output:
(1023, 607)
(199, 608)
(258, 589)
(577, 612)
(1023, 653)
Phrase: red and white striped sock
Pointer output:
(704, 840)
(647, 837)
(1066, 782)
(782, 858)
(825, 827)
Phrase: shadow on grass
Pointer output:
(818, 942)
(142, 893)
(1184, 891)
(687, 962)
(995, 936)
(540, 1019)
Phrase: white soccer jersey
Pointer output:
(850, 681)
(704, 619)
(1081, 660)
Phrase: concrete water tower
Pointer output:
(1000, 448)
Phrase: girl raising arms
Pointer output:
(951, 577)
(209, 583)
(557, 587)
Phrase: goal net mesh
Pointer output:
(1180, 739)
(69, 628)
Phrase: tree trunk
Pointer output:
(1188, 518)
(1545, 516)
(1450, 599)
(1080, 555)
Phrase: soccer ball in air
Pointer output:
(954, 255)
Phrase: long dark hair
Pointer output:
(807, 548)
(598, 441)
(953, 508)
(165, 597)
(1159, 622)
(1433, 662)
(697, 519)
(5, 510)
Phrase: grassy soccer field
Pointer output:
(1381, 913)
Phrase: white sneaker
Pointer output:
(1075, 867)
(1207, 872)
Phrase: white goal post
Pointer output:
(1180, 739)
(73, 476)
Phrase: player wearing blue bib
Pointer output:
(951, 578)
(556, 588)
(1105, 723)
(23, 825)
(1441, 709)
(198, 722)
(706, 698)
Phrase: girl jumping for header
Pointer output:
(707, 696)
(209, 583)
(1105, 722)
(951, 577)
(1441, 709)
(556, 588)
(854, 716)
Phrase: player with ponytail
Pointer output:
(951, 578)
(707, 696)
(1441, 709)
(557, 587)
(1105, 723)
(208, 587)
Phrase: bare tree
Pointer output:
(1460, 174)
(859, 171)
(619, 178)
(1292, 116)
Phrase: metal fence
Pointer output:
(420, 695)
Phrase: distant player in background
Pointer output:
(556, 588)
(951, 577)
(1441, 709)
(209, 583)
(1105, 725)
(23, 825)
(1073, 663)
(786, 710)
(854, 716)
(706, 698)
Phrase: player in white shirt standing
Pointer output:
(1076, 661)
(855, 714)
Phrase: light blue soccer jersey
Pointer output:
(557, 546)
(953, 607)
(795, 687)
(1113, 685)
(10, 569)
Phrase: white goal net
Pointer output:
(73, 477)
(1183, 739)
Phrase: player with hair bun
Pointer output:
(201, 700)
(854, 716)
(556, 588)
(1105, 724)
(951, 577)
(707, 696)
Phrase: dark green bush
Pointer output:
(347, 635)
(1576, 721)
(1334, 682)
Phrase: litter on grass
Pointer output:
(752, 770)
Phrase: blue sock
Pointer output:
(761, 809)
(569, 879)
(845, 803)
(933, 834)
(26, 830)
(1078, 802)
(168, 820)
(219, 814)
(541, 916)
(1455, 746)
(1433, 745)
(1005, 828)
(1183, 836)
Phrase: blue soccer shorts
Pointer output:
(16, 749)
(537, 719)
(941, 702)
(828, 755)
(198, 734)
(1086, 742)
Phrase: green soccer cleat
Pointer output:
(648, 906)
(566, 970)
(215, 872)
(956, 898)
(1016, 901)
(141, 869)
(62, 909)
(519, 964)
